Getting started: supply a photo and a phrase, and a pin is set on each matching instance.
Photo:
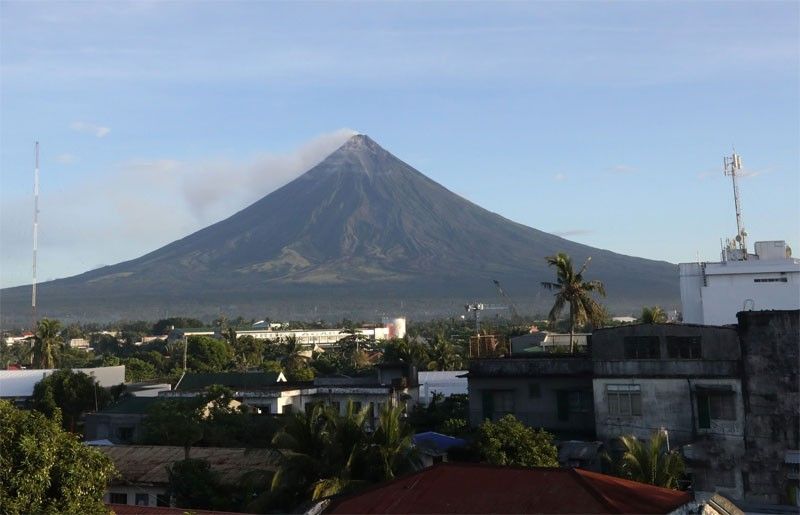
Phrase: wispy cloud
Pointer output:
(65, 159)
(146, 203)
(559, 177)
(90, 128)
(623, 169)
(573, 232)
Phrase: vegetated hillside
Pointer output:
(360, 234)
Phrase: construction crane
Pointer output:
(515, 316)
(475, 308)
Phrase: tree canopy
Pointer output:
(509, 442)
(575, 293)
(44, 469)
(650, 462)
(73, 393)
(653, 315)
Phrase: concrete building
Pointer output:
(771, 368)
(551, 391)
(321, 337)
(685, 379)
(712, 293)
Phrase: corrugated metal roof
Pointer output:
(148, 463)
(229, 379)
(476, 488)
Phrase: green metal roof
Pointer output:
(133, 405)
(229, 379)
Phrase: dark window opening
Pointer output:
(125, 434)
(771, 280)
(642, 347)
(118, 498)
(715, 406)
(684, 347)
(142, 500)
(497, 404)
(534, 390)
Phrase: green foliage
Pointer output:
(573, 292)
(137, 370)
(509, 442)
(174, 422)
(443, 354)
(195, 485)
(298, 370)
(327, 453)
(408, 350)
(163, 325)
(650, 462)
(75, 358)
(653, 315)
(47, 343)
(272, 366)
(208, 354)
(73, 393)
(46, 470)
(446, 415)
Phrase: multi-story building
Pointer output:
(712, 293)
(551, 391)
(685, 379)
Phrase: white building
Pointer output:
(712, 293)
(321, 337)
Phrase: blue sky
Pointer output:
(602, 122)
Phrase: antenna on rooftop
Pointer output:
(35, 232)
(733, 168)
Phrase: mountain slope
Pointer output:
(360, 228)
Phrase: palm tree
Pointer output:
(443, 354)
(653, 315)
(650, 462)
(46, 343)
(392, 443)
(572, 290)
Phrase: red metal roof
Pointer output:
(127, 509)
(477, 488)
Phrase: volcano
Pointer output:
(360, 234)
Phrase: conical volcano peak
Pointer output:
(361, 142)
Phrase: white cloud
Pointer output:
(623, 169)
(65, 159)
(90, 128)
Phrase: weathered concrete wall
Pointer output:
(541, 411)
(771, 362)
(718, 343)
(532, 367)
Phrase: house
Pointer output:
(681, 378)
(478, 488)
(550, 391)
(143, 478)
(120, 423)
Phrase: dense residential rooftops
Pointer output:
(476, 488)
(148, 463)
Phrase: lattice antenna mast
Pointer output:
(35, 233)
(733, 168)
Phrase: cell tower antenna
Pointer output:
(733, 168)
(35, 233)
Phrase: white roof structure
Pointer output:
(20, 383)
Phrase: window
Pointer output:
(572, 401)
(771, 280)
(142, 500)
(714, 405)
(162, 500)
(118, 498)
(624, 399)
(683, 347)
(497, 403)
(642, 347)
(534, 390)
(125, 434)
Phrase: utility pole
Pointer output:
(35, 233)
